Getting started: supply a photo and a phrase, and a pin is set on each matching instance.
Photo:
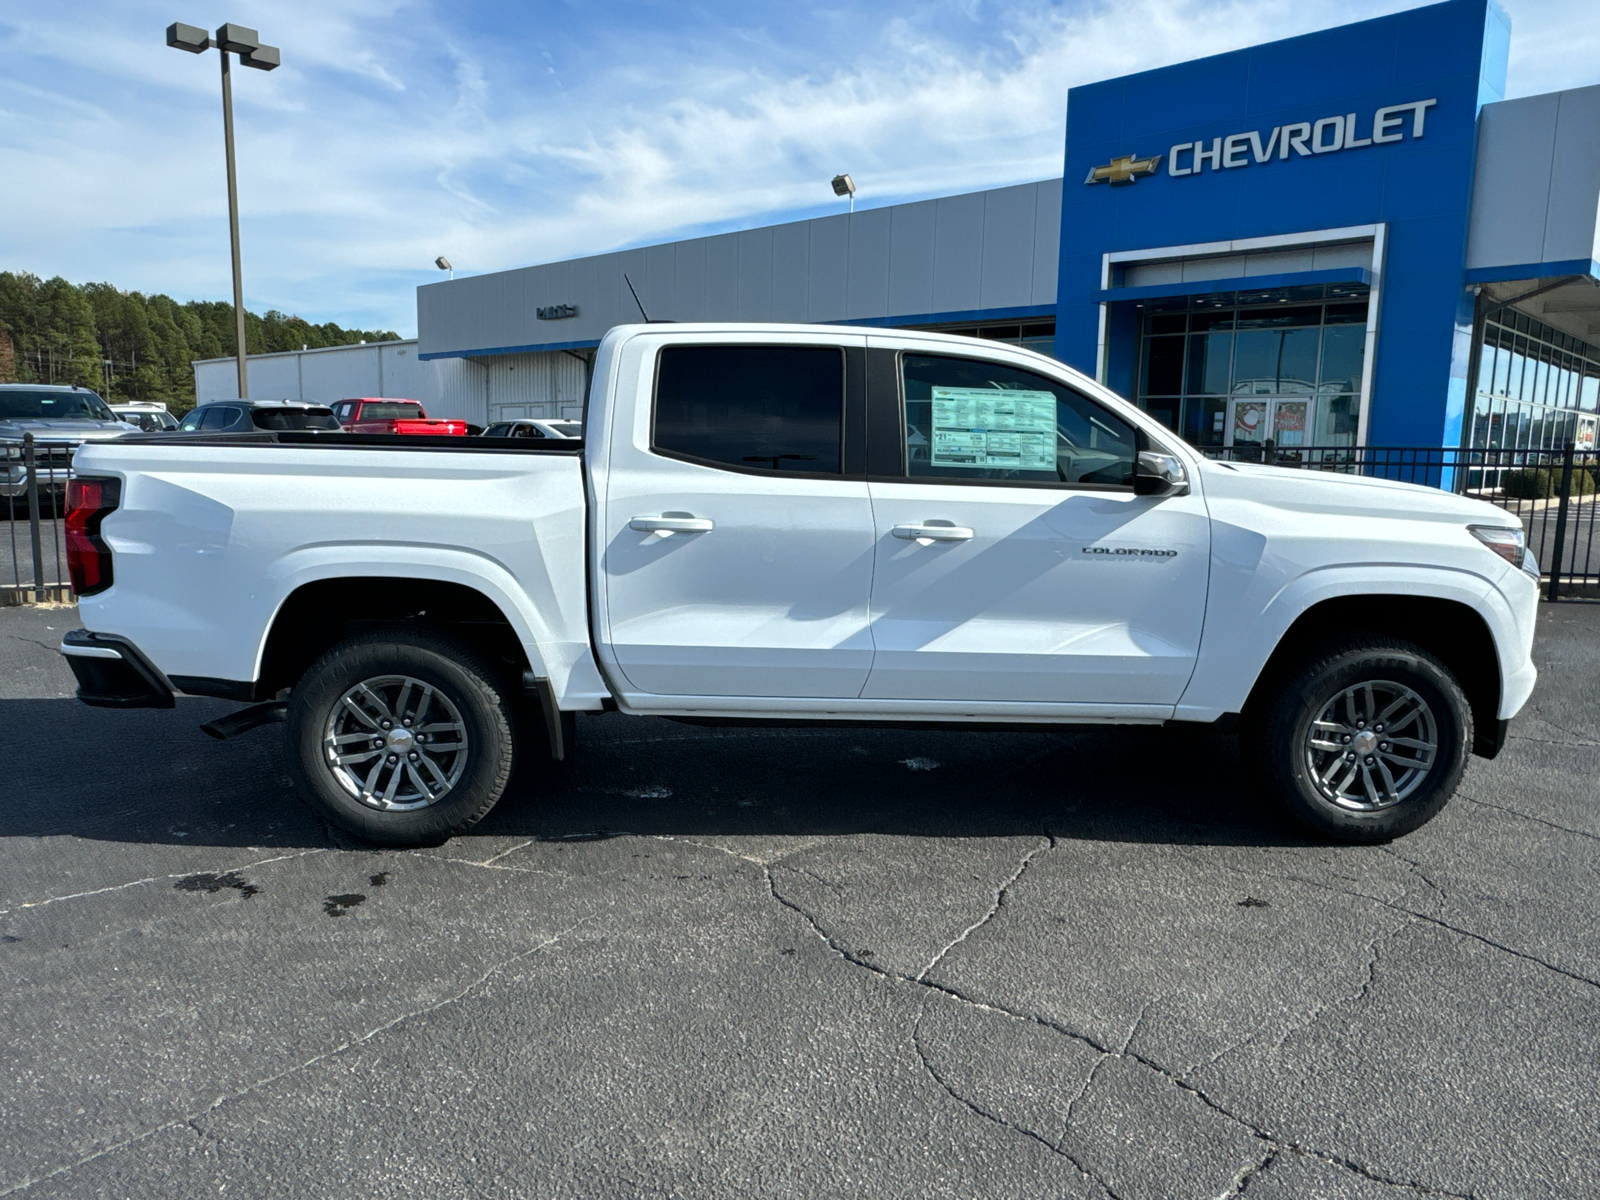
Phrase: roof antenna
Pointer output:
(636, 300)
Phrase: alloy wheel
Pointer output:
(395, 743)
(1371, 746)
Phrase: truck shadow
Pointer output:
(151, 776)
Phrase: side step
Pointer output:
(246, 719)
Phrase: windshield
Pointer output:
(398, 411)
(26, 404)
(295, 418)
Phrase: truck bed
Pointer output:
(214, 533)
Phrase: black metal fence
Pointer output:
(1553, 493)
(33, 484)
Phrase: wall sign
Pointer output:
(556, 312)
(1302, 138)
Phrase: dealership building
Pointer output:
(1345, 238)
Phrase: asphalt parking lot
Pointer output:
(698, 962)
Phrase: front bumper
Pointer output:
(113, 673)
(52, 464)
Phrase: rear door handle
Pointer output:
(932, 532)
(670, 525)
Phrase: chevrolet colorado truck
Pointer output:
(786, 523)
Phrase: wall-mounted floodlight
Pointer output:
(843, 185)
(246, 43)
(443, 264)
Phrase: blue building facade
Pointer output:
(1346, 238)
(1363, 137)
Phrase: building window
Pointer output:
(1237, 370)
(1537, 388)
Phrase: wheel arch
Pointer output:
(1451, 630)
(320, 613)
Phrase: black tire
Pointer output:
(476, 775)
(1280, 732)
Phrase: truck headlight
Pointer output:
(1508, 541)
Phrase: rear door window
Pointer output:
(777, 409)
(294, 418)
(217, 417)
(971, 421)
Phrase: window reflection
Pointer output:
(1237, 370)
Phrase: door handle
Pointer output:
(667, 526)
(932, 531)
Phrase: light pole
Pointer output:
(246, 43)
(443, 264)
(843, 185)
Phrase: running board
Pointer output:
(245, 720)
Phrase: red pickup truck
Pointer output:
(369, 414)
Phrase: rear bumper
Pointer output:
(113, 673)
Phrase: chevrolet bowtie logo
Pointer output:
(1125, 168)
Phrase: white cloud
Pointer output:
(395, 132)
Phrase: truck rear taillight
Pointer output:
(88, 556)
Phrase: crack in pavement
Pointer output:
(1265, 1135)
(119, 887)
(1416, 869)
(189, 1119)
(1241, 1181)
(999, 901)
(1054, 1148)
(1423, 917)
(1515, 812)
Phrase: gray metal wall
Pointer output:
(1536, 192)
(545, 384)
(446, 387)
(957, 257)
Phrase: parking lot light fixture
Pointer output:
(247, 44)
(843, 185)
(443, 264)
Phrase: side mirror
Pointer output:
(1157, 474)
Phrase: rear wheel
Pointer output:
(401, 737)
(1365, 742)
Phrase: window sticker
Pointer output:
(985, 428)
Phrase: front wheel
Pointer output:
(401, 737)
(1365, 742)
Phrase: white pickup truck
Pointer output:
(789, 523)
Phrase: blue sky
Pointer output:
(504, 134)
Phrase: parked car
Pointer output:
(374, 415)
(150, 416)
(240, 416)
(61, 419)
(742, 537)
(540, 427)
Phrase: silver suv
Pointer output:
(61, 419)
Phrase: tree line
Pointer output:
(130, 346)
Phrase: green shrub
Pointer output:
(1543, 483)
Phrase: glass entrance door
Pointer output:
(1251, 422)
